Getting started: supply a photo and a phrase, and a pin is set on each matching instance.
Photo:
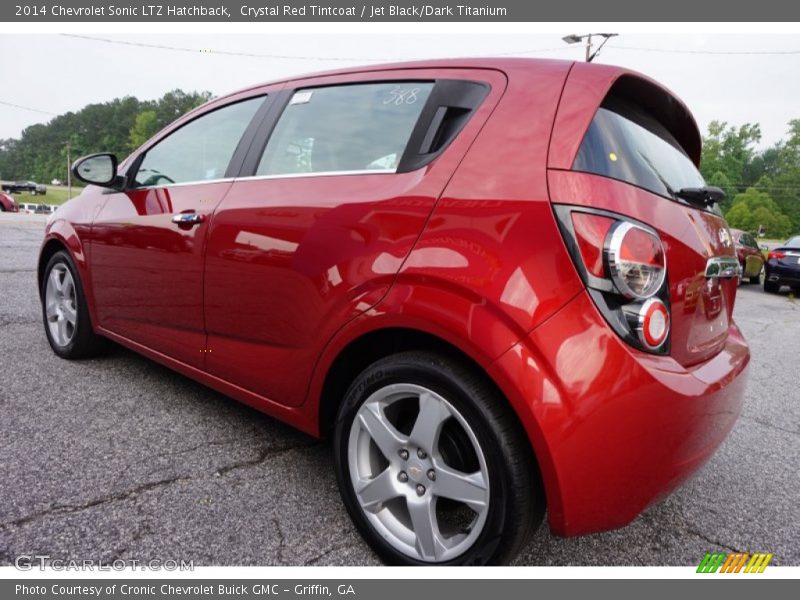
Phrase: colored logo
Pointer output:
(734, 563)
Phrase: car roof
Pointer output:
(496, 63)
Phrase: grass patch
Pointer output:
(56, 194)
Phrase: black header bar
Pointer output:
(401, 10)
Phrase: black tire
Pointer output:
(516, 502)
(84, 343)
(771, 287)
(756, 279)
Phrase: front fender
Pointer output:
(61, 234)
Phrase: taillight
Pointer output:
(590, 234)
(623, 264)
(776, 254)
(653, 323)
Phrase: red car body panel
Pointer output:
(284, 274)
(326, 248)
(7, 203)
(620, 429)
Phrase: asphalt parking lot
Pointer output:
(119, 457)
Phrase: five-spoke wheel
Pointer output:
(64, 311)
(400, 478)
(432, 465)
(60, 305)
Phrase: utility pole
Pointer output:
(590, 56)
(69, 172)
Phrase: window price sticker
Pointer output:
(301, 97)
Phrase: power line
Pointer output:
(209, 51)
(44, 112)
(374, 59)
(273, 56)
(712, 52)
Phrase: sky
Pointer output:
(57, 73)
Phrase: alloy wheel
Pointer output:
(418, 472)
(61, 305)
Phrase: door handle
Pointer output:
(188, 219)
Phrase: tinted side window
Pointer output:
(200, 150)
(623, 142)
(362, 127)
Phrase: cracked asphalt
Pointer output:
(119, 457)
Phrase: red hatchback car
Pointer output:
(500, 286)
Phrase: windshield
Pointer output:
(625, 143)
(793, 242)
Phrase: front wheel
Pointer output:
(756, 279)
(433, 465)
(64, 311)
(771, 287)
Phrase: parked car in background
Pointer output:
(751, 259)
(27, 207)
(7, 203)
(18, 187)
(783, 267)
(500, 285)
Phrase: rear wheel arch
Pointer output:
(374, 345)
(369, 348)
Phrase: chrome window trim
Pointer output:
(282, 176)
(320, 174)
(183, 183)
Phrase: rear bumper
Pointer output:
(615, 429)
(782, 275)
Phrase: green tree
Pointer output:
(144, 127)
(40, 152)
(783, 182)
(728, 152)
(754, 210)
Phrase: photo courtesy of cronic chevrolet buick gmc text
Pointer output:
(500, 286)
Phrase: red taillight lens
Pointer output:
(590, 234)
(776, 254)
(623, 265)
(653, 323)
(636, 260)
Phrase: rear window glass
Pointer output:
(363, 127)
(625, 143)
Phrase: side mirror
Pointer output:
(98, 169)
